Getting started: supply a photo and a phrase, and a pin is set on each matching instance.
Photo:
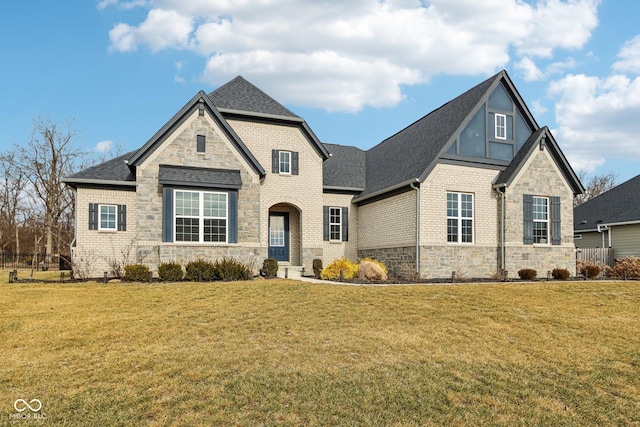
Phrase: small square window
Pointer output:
(201, 144)
(107, 218)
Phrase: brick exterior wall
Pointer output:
(97, 251)
(302, 192)
(540, 177)
(388, 223)
(349, 249)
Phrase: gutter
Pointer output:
(414, 187)
(99, 182)
(502, 189)
(387, 190)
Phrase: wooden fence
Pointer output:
(603, 256)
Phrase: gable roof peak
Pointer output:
(241, 96)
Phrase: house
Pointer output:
(611, 220)
(474, 187)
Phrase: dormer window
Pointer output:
(501, 126)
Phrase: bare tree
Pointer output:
(594, 185)
(45, 159)
(11, 187)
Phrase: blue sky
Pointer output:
(357, 72)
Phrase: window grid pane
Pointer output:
(193, 224)
(108, 217)
(276, 231)
(335, 221)
(285, 162)
(540, 220)
(501, 126)
(459, 218)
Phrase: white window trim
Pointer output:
(460, 218)
(546, 221)
(115, 223)
(281, 163)
(339, 224)
(281, 237)
(500, 128)
(200, 218)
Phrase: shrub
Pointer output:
(270, 267)
(628, 267)
(560, 273)
(170, 271)
(317, 267)
(200, 269)
(375, 261)
(590, 268)
(230, 269)
(136, 273)
(527, 274)
(342, 265)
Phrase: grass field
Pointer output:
(289, 353)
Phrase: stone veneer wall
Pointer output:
(400, 261)
(540, 177)
(180, 149)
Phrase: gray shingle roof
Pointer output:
(521, 156)
(199, 177)
(345, 169)
(620, 204)
(406, 155)
(240, 95)
(114, 170)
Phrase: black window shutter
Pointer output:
(556, 237)
(233, 217)
(167, 215)
(275, 161)
(93, 216)
(527, 215)
(294, 163)
(325, 223)
(122, 217)
(345, 224)
(201, 143)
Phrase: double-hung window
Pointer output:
(540, 220)
(459, 218)
(335, 224)
(108, 221)
(285, 162)
(200, 216)
(501, 126)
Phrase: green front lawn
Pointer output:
(282, 352)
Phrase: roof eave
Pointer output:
(75, 182)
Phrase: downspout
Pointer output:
(414, 187)
(502, 189)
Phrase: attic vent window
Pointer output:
(501, 126)
(201, 144)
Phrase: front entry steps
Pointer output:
(290, 271)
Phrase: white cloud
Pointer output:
(597, 118)
(104, 146)
(629, 57)
(124, 5)
(531, 72)
(347, 55)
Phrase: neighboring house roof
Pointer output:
(345, 170)
(240, 95)
(112, 172)
(617, 206)
(407, 155)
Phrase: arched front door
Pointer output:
(279, 236)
